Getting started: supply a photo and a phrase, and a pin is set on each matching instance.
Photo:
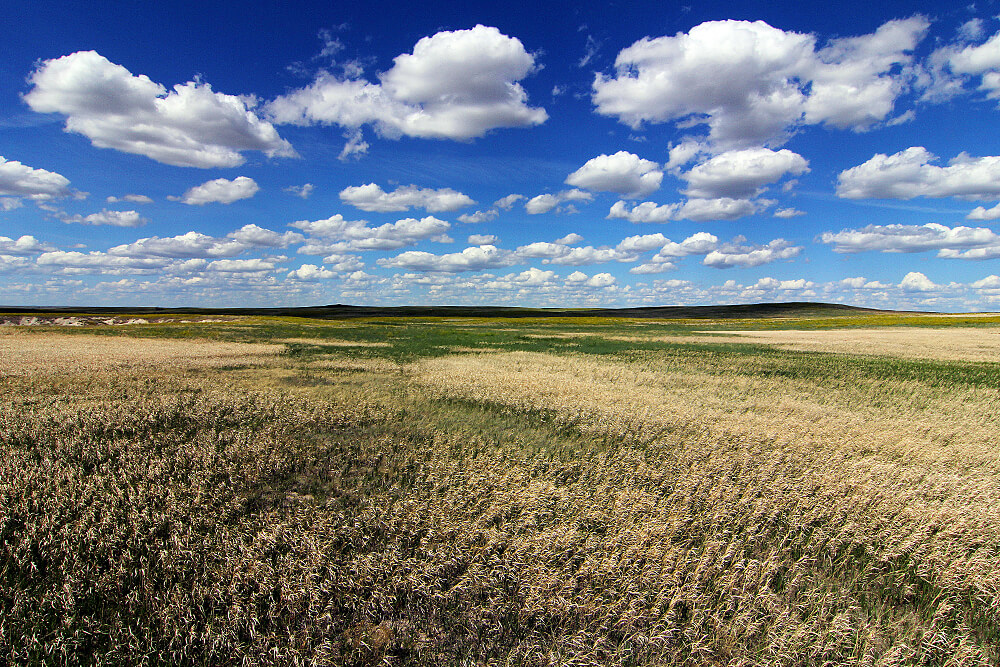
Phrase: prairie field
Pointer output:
(523, 491)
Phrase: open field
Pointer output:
(800, 490)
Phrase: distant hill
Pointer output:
(341, 311)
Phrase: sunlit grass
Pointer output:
(583, 491)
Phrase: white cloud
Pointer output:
(910, 174)
(910, 238)
(10, 203)
(507, 202)
(133, 199)
(569, 239)
(983, 213)
(645, 212)
(20, 180)
(643, 243)
(220, 190)
(752, 83)
(741, 174)
(454, 85)
(302, 191)
(981, 60)
(309, 272)
(547, 202)
(558, 253)
(482, 239)
(700, 243)
(479, 216)
(914, 281)
(372, 197)
(241, 265)
(470, 259)
(355, 147)
(198, 245)
(737, 254)
(188, 126)
(788, 213)
(106, 217)
(601, 280)
(357, 235)
(24, 245)
(623, 172)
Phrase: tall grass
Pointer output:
(623, 508)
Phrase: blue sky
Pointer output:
(567, 155)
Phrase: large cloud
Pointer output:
(455, 85)
(357, 235)
(221, 191)
(188, 126)
(623, 172)
(20, 180)
(751, 83)
(740, 174)
(910, 174)
(952, 242)
(106, 217)
(198, 245)
(372, 197)
(697, 210)
(547, 202)
(738, 254)
(470, 259)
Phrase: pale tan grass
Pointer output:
(947, 344)
(23, 353)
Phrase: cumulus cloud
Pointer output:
(558, 253)
(740, 174)
(788, 213)
(910, 238)
(241, 265)
(454, 85)
(479, 216)
(507, 202)
(357, 235)
(302, 191)
(220, 190)
(624, 173)
(310, 272)
(470, 259)
(761, 82)
(697, 210)
(188, 126)
(738, 254)
(914, 281)
(132, 199)
(482, 239)
(953, 65)
(983, 213)
(909, 173)
(106, 217)
(20, 180)
(373, 198)
(23, 245)
(198, 245)
(547, 202)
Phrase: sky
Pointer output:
(553, 154)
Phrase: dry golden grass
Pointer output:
(510, 508)
(952, 344)
(23, 353)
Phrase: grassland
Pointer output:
(460, 491)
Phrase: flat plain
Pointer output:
(790, 490)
